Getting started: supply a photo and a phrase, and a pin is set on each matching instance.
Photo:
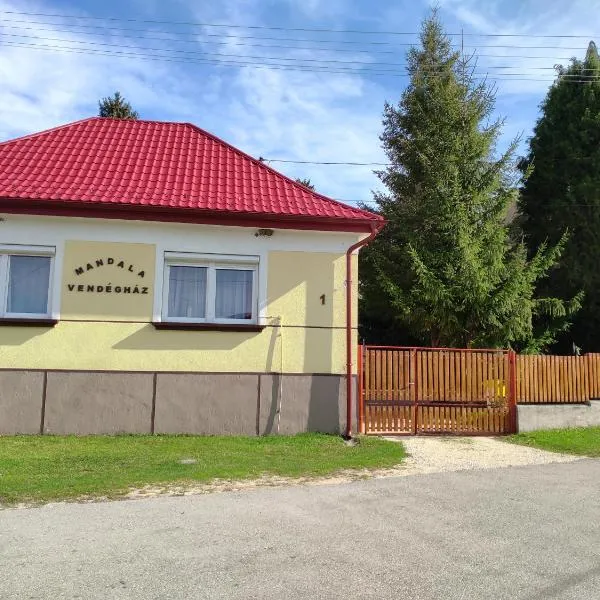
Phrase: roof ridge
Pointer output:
(157, 121)
(85, 120)
(46, 131)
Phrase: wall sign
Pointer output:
(109, 288)
(108, 281)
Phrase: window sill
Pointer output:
(25, 322)
(207, 326)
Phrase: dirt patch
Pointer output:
(219, 485)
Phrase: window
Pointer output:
(187, 292)
(25, 281)
(210, 290)
(234, 294)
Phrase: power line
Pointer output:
(196, 39)
(104, 30)
(245, 56)
(316, 162)
(517, 76)
(350, 70)
(280, 28)
(199, 24)
(372, 200)
(518, 47)
(219, 35)
(380, 164)
(257, 65)
(372, 203)
(207, 61)
(105, 33)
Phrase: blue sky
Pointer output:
(322, 102)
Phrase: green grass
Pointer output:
(36, 469)
(584, 441)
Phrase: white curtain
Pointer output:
(187, 292)
(28, 282)
(234, 294)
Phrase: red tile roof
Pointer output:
(146, 169)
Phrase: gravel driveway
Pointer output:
(450, 453)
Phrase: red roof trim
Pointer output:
(180, 215)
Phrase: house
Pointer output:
(154, 278)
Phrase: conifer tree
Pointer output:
(562, 193)
(446, 271)
(116, 107)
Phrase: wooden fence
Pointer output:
(462, 376)
(432, 375)
(557, 379)
(593, 362)
(443, 390)
(435, 391)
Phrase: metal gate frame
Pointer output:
(503, 424)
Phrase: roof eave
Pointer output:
(186, 215)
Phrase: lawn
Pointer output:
(584, 441)
(36, 469)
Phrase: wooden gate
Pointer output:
(437, 391)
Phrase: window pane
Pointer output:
(28, 281)
(187, 292)
(234, 294)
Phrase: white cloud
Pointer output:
(318, 9)
(42, 88)
(303, 116)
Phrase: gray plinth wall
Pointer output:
(558, 416)
(109, 402)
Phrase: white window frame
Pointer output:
(6, 251)
(212, 262)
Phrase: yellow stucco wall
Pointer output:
(304, 334)
(140, 347)
(299, 280)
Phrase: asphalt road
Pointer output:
(521, 533)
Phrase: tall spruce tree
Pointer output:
(116, 107)
(446, 271)
(562, 193)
